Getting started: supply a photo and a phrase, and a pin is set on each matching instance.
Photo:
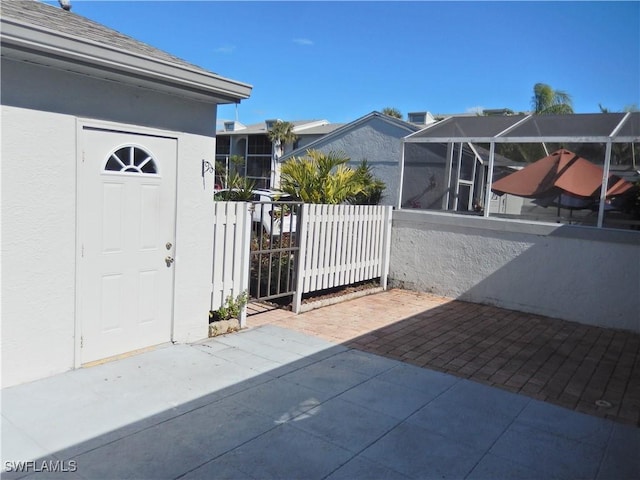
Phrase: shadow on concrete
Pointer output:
(270, 402)
(590, 369)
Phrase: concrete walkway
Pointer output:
(271, 402)
(565, 363)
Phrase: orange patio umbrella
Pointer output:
(561, 172)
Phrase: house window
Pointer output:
(419, 118)
(259, 145)
(223, 145)
(131, 159)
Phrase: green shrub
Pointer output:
(230, 309)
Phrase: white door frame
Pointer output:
(81, 124)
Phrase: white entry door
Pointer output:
(127, 235)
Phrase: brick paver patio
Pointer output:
(589, 369)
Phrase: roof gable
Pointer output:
(358, 123)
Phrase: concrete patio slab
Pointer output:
(199, 411)
(589, 369)
(420, 453)
(360, 467)
(553, 455)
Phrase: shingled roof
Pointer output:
(77, 36)
(55, 18)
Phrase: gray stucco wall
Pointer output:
(582, 274)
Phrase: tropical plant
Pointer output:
(239, 189)
(226, 171)
(546, 100)
(280, 134)
(372, 187)
(320, 178)
(392, 112)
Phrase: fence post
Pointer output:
(245, 263)
(301, 233)
(386, 247)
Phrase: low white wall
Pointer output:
(582, 274)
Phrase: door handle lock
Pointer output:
(169, 260)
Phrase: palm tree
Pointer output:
(548, 101)
(392, 112)
(280, 134)
(320, 178)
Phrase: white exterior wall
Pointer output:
(39, 157)
(38, 244)
(582, 274)
(194, 239)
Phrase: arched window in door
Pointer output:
(131, 159)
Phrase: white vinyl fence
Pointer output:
(231, 243)
(341, 245)
(338, 245)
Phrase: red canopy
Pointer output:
(562, 171)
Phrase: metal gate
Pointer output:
(275, 249)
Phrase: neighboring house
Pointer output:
(375, 137)
(106, 212)
(257, 151)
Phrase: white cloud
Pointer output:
(226, 49)
(303, 41)
(478, 109)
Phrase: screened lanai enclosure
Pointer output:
(452, 166)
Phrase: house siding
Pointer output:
(41, 113)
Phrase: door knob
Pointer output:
(169, 261)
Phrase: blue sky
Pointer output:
(341, 60)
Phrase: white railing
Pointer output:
(231, 242)
(341, 245)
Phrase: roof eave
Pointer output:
(39, 45)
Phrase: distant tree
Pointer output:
(547, 101)
(392, 112)
(280, 134)
(627, 108)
